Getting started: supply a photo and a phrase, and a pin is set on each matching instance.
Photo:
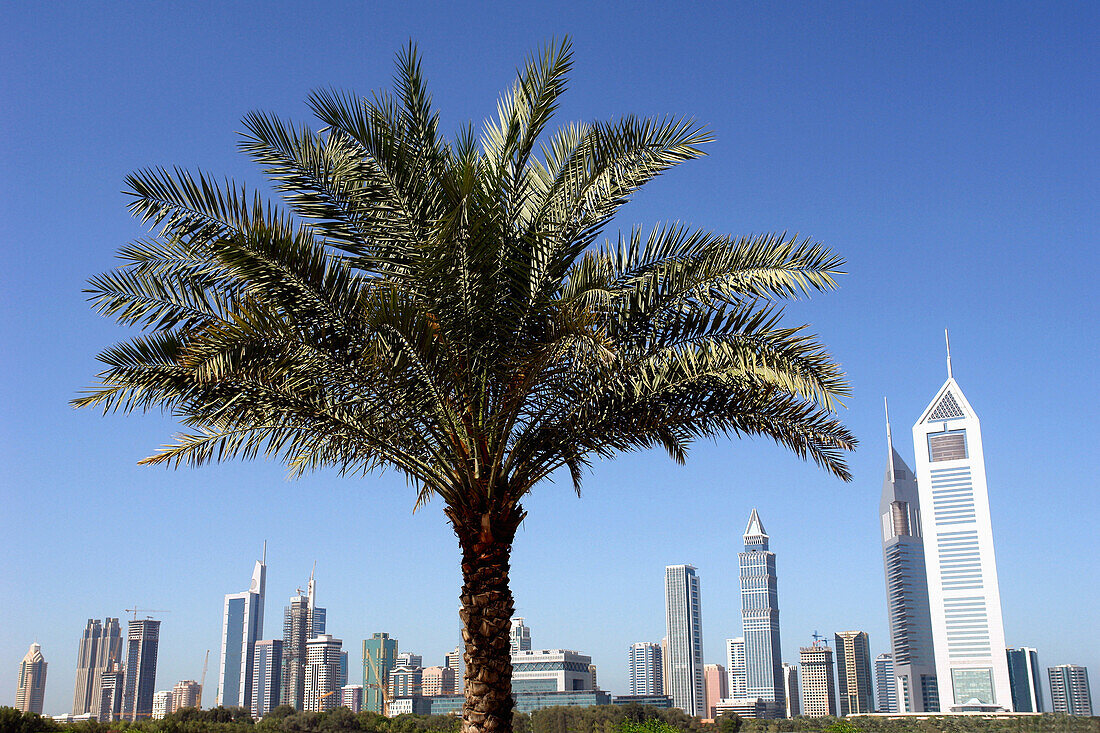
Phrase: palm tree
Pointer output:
(450, 309)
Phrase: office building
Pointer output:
(111, 689)
(303, 620)
(749, 708)
(520, 636)
(735, 666)
(907, 609)
(653, 701)
(550, 670)
(322, 673)
(664, 666)
(100, 649)
(1023, 677)
(760, 616)
(342, 674)
(32, 681)
(714, 685)
(267, 676)
(142, 643)
(592, 672)
(853, 667)
(351, 697)
(1069, 689)
(436, 681)
(684, 626)
(818, 686)
(185, 694)
(162, 704)
(791, 690)
(242, 627)
(409, 660)
(646, 673)
(379, 657)
(963, 593)
(405, 681)
(886, 688)
(454, 661)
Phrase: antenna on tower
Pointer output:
(264, 558)
(889, 440)
(947, 339)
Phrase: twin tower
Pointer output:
(943, 600)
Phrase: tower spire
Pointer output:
(889, 439)
(947, 339)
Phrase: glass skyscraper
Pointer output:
(853, 673)
(760, 617)
(142, 643)
(242, 627)
(1023, 676)
(379, 658)
(684, 625)
(886, 690)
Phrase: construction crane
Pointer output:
(144, 610)
(202, 682)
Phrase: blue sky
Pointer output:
(949, 151)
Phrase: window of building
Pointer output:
(948, 446)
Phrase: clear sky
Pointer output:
(949, 151)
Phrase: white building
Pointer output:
(684, 625)
(646, 673)
(520, 635)
(551, 670)
(322, 676)
(351, 697)
(886, 688)
(242, 627)
(963, 594)
(735, 666)
(162, 704)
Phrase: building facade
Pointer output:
(714, 683)
(903, 561)
(351, 697)
(111, 689)
(646, 673)
(142, 644)
(405, 681)
(100, 649)
(379, 658)
(684, 626)
(162, 704)
(818, 686)
(520, 635)
(267, 676)
(31, 689)
(1069, 689)
(322, 678)
(760, 616)
(886, 689)
(436, 681)
(551, 670)
(963, 592)
(242, 627)
(186, 694)
(735, 666)
(853, 669)
(1024, 678)
(791, 690)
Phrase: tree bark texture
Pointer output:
(486, 614)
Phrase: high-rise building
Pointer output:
(735, 666)
(100, 649)
(322, 673)
(342, 675)
(142, 643)
(32, 681)
(963, 594)
(853, 665)
(907, 610)
(1023, 676)
(379, 656)
(185, 694)
(242, 627)
(454, 661)
(405, 681)
(1069, 689)
(646, 674)
(818, 696)
(409, 660)
(714, 683)
(665, 674)
(303, 620)
(351, 697)
(790, 690)
(520, 635)
(684, 625)
(550, 670)
(267, 675)
(162, 704)
(437, 681)
(886, 689)
(760, 617)
(111, 688)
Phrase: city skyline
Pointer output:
(930, 136)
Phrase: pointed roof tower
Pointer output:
(756, 538)
(949, 402)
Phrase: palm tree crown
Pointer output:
(451, 308)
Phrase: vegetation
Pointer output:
(447, 308)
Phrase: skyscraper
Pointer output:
(886, 689)
(646, 676)
(818, 696)
(267, 675)
(520, 635)
(142, 643)
(735, 666)
(322, 678)
(963, 594)
(714, 680)
(1023, 676)
(914, 658)
(1069, 689)
(100, 649)
(32, 681)
(379, 656)
(242, 627)
(853, 667)
(790, 690)
(436, 681)
(185, 694)
(760, 617)
(112, 684)
(302, 621)
(162, 704)
(684, 624)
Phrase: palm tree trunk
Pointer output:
(486, 542)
